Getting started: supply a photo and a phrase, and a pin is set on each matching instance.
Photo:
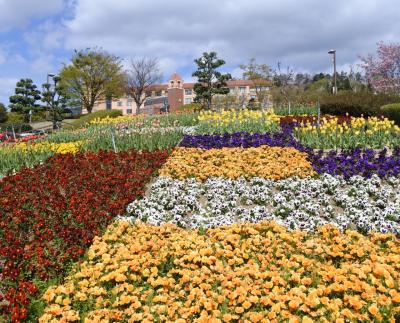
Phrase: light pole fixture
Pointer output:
(48, 76)
(333, 52)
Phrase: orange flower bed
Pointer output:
(254, 272)
(267, 162)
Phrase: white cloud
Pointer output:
(297, 33)
(47, 36)
(17, 13)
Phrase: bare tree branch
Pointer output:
(143, 74)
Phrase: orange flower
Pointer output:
(373, 309)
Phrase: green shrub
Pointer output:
(392, 111)
(355, 104)
(15, 118)
(85, 119)
(3, 113)
(23, 127)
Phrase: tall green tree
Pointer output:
(92, 75)
(3, 113)
(209, 80)
(25, 98)
(55, 97)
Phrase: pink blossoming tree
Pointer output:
(383, 71)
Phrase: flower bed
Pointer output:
(264, 161)
(359, 133)
(239, 272)
(57, 148)
(49, 215)
(312, 119)
(230, 121)
(347, 163)
(364, 162)
(241, 139)
(361, 204)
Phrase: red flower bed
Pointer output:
(5, 139)
(289, 120)
(50, 214)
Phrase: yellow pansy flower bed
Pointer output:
(267, 162)
(252, 273)
(112, 121)
(234, 115)
(238, 120)
(58, 148)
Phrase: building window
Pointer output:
(231, 90)
(252, 89)
(119, 103)
(188, 92)
(148, 94)
(129, 102)
(242, 89)
(172, 83)
(179, 83)
(108, 103)
(158, 93)
(188, 100)
(129, 111)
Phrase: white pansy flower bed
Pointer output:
(358, 203)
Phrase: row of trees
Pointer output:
(94, 75)
(382, 74)
(28, 100)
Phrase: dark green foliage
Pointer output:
(3, 113)
(355, 104)
(55, 97)
(25, 98)
(392, 111)
(15, 118)
(23, 127)
(39, 116)
(209, 81)
(82, 121)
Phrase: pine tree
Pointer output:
(209, 81)
(25, 98)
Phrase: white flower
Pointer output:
(358, 203)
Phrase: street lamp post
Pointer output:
(51, 99)
(333, 52)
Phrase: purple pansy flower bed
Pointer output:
(364, 162)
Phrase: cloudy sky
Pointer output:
(38, 36)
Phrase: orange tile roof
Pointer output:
(175, 77)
